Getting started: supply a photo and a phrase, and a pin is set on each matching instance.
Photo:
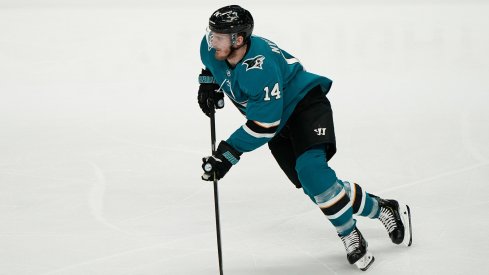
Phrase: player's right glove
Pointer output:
(209, 96)
(220, 163)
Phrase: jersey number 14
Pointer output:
(274, 93)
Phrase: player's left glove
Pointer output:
(220, 163)
(209, 97)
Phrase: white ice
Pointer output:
(101, 138)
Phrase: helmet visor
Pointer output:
(217, 40)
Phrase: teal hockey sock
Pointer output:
(362, 203)
(320, 183)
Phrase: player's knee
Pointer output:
(313, 171)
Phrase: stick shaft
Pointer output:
(216, 194)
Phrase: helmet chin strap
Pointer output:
(233, 43)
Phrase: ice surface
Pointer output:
(101, 139)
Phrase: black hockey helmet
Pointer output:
(232, 20)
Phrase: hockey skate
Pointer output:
(356, 250)
(396, 218)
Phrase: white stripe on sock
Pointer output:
(375, 208)
(333, 200)
(339, 213)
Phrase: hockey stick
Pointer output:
(216, 195)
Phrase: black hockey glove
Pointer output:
(209, 97)
(220, 163)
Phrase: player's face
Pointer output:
(221, 42)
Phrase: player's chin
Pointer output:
(221, 55)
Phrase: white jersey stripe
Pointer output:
(255, 134)
(267, 125)
(292, 60)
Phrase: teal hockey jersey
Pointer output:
(265, 86)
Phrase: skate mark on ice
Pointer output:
(96, 199)
(143, 249)
(309, 255)
(177, 148)
(467, 142)
(432, 178)
(451, 209)
(168, 207)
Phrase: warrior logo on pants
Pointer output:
(320, 131)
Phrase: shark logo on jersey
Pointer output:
(254, 63)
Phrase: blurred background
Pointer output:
(101, 138)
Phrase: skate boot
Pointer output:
(356, 250)
(396, 218)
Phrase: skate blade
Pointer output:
(364, 262)
(406, 220)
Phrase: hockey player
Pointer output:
(286, 107)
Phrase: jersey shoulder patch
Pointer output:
(254, 62)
